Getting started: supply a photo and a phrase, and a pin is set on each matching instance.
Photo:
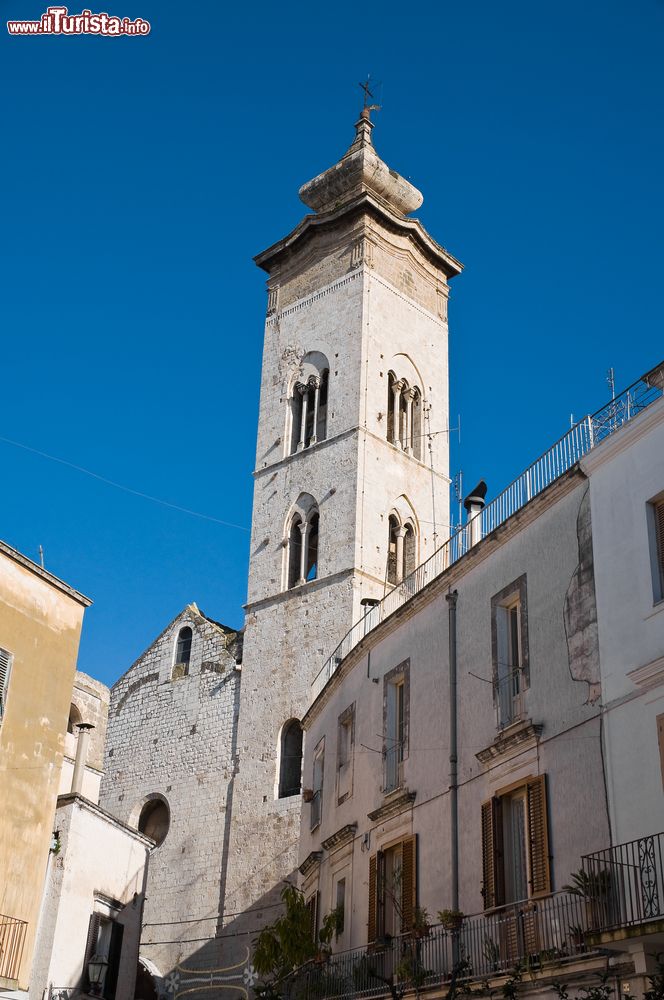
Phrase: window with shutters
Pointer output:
(104, 942)
(515, 845)
(345, 753)
(312, 909)
(396, 712)
(317, 797)
(655, 511)
(660, 743)
(509, 642)
(5, 670)
(392, 890)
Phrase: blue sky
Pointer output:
(141, 175)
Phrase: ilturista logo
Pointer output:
(58, 21)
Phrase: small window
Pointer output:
(509, 631)
(345, 752)
(155, 820)
(340, 906)
(308, 405)
(302, 565)
(73, 720)
(183, 652)
(5, 670)
(290, 763)
(317, 798)
(656, 531)
(395, 722)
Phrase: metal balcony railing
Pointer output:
(12, 939)
(533, 932)
(624, 885)
(559, 459)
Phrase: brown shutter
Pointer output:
(373, 901)
(659, 531)
(408, 882)
(312, 907)
(660, 741)
(90, 946)
(493, 872)
(540, 872)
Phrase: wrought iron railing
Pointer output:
(532, 933)
(66, 993)
(624, 885)
(559, 459)
(12, 939)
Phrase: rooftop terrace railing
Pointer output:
(533, 932)
(559, 459)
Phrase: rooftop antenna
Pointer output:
(611, 381)
(41, 556)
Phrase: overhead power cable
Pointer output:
(125, 489)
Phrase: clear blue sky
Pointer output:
(140, 176)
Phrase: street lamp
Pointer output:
(96, 972)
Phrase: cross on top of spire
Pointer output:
(367, 108)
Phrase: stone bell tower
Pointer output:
(351, 480)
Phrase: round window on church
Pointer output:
(155, 820)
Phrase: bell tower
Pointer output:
(351, 479)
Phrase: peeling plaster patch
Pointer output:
(580, 611)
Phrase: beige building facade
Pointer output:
(40, 627)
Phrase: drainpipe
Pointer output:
(81, 756)
(474, 503)
(451, 599)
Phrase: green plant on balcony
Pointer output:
(451, 919)
(656, 991)
(420, 926)
(596, 887)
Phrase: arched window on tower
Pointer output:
(302, 560)
(290, 760)
(308, 406)
(409, 550)
(183, 650)
(417, 424)
(294, 551)
(401, 550)
(393, 528)
(404, 415)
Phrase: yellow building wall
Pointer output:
(40, 625)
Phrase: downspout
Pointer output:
(451, 599)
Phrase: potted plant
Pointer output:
(577, 937)
(596, 888)
(307, 794)
(420, 925)
(451, 919)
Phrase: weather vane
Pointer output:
(366, 107)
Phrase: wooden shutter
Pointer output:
(373, 901)
(312, 907)
(538, 836)
(659, 532)
(90, 946)
(5, 664)
(408, 882)
(493, 870)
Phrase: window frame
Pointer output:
(317, 785)
(510, 709)
(396, 725)
(655, 523)
(345, 762)
(5, 676)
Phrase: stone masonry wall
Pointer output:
(175, 739)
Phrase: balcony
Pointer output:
(624, 889)
(12, 939)
(537, 933)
